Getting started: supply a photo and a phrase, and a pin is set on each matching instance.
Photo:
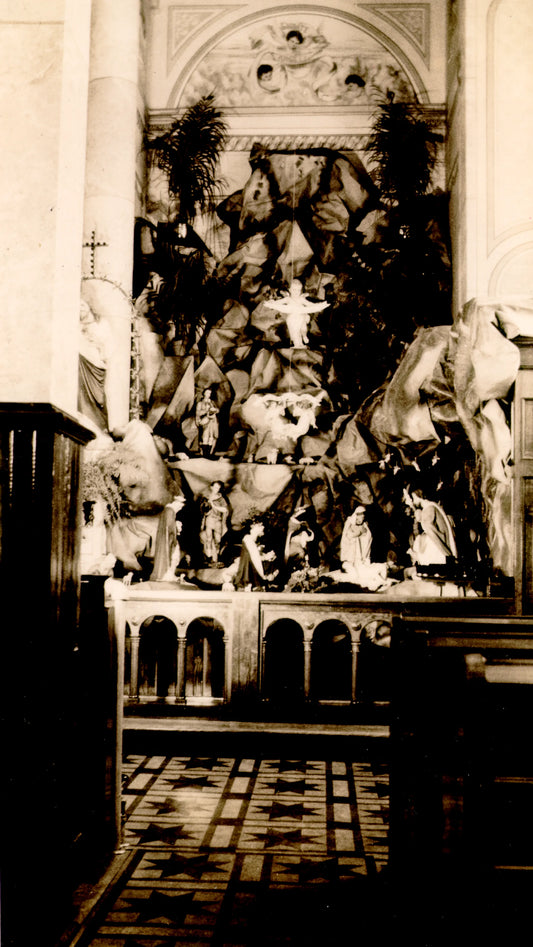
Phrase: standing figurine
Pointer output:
(167, 553)
(434, 542)
(215, 512)
(207, 423)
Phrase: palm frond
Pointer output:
(404, 148)
(189, 153)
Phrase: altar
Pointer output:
(251, 649)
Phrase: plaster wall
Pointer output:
(44, 107)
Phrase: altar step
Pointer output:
(264, 712)
(266, 738)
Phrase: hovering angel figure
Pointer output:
(297, 309)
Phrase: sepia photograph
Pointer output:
(266, 472)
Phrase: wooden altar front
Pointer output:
(251, 628)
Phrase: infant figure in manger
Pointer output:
(297, 309)
(357, 567)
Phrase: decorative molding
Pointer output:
(340, 142)
(186, 21)
(160, 120)
(412, 20)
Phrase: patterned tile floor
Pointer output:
(213, 846)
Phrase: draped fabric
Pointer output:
(91, 391)
(165, 543)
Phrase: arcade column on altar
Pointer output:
(114, 130)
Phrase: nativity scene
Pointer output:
(312, 374)
(267, 468)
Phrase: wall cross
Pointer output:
(92, 244)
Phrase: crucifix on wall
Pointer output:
(92, 244)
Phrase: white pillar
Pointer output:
(490, 164)
(112, 146)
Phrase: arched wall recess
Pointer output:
(332, 46)
(512, 274)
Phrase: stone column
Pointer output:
(227, 668)
(180, 665)
(109, 214)
(134, 659)
(308, 643)
(355, 634)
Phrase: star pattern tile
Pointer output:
(166, 835)
(164, 907)
(283, 810)
(298, 786)
(310, 870)
(207, 837)
(193, 782)
(193, 866)
(291, 766)
(202, 763)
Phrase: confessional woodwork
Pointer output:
(461, 765)
(61, 674)
(522, 425)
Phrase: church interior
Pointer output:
(266, 467)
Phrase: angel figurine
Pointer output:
(297, 309)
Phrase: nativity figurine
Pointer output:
(297, 309)
(299, 537)
(278, 422)
(357, 567)
(433, 541)
(252, 572)
(167, 552)
(215, 511)
(207, 423)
